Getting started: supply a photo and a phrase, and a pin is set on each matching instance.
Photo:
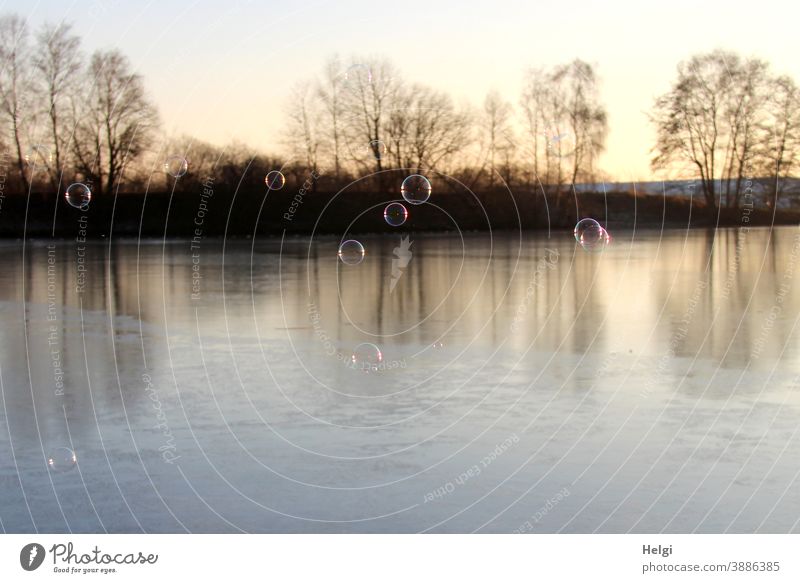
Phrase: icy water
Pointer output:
(515, 385)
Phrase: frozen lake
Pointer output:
(515, 384)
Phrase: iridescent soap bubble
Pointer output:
(559, 139)
(351, 252)
(377, 149)
(366, 357)
(357, 75)
(395, 214)
(176, 166)
(38, 156)
(61, 459)
(416, 189)
(275, 180)
(591, 235)
(78, 195)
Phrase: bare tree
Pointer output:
(566, 125)
(585, 116)
(57, 66)
(15, 84)
(304, 116)
(712, 118)
(117, 120)
(425, 129)
(369, 88)
(745, 110)
(533, 102)
(784, 142)
(498, 134)
(400, 128)
(330, 93)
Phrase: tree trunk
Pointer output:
(20, 159)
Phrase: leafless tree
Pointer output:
(15, 84)
(585, 116)
(533, 103)
(302, 133)
(117, 120)
(369, 88)
(204, 160)
(57, 66)
(713, 118)
(498, 134)
(425, 129)
(784, 142)
(330, 94)
(566, 125)
(744, 114)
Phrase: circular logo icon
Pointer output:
(31, 556)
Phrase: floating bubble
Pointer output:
(78, 195)
(351, 252)
(416, 189)
(38, 156)
(395, 214)
(61, 459)
(366, 357)
(559, 139)
(176, 166)
(591, 235)
(357, 75)
(377, 148)
(275, 180)
(584, 226)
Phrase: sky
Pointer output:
(223, 71)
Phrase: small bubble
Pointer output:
(416, 189)
(559, 139)
(351, 252)
(395, 214)
(176, 166)
(366, 357)
(275, 180)
(377, 149)
(78, 195)
(591, 235)
(357, 75)
(61, 459)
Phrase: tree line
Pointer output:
(70, 117)
(729, 119)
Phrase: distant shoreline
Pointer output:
(190, 216)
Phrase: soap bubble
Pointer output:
(416, 189)
(176, 166)
(559, 139)
(351, 252)
(61, 459)
(366, 357)
(356, 76)
(395, 214)
(275, 180)
(377, 149)
(591, 235)
(78, 195)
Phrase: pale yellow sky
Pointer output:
(222, 70)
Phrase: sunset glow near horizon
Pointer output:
(223, 71)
